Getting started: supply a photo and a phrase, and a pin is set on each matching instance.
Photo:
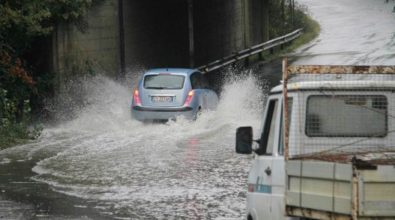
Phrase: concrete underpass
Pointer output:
(120, 35)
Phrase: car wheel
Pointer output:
(198, 114)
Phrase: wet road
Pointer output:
(103, 165)
(359, 32)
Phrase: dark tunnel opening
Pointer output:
(218, 29)
(156, 33)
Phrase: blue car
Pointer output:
(164, 94)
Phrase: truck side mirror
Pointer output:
(244, 140)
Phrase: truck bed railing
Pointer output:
(292, 71)
(334, 172)
(337, 69)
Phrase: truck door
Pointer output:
(278, 169)
(269, 166)
(260, 201)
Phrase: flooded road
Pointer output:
(104, 165)
(359, 32)
(110, 166)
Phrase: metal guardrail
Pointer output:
(250, 51)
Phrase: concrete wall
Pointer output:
(218, 28)
(95, 48)
(156, 34)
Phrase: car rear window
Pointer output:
(164, 81)
(347, 116)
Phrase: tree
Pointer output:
(22, 22)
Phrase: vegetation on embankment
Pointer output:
(24, 84)
(311, 30)
(292, 20)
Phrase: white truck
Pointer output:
(327, 146)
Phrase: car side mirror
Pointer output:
(244, 140)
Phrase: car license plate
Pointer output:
(162, 99)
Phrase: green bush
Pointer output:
(22, 87)
(286, 16)
(311, 28)
(15, 108)
(13, 128)
(285, 23)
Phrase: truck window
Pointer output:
(267, 136)
(281, 145)
(346, 116)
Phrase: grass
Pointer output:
(311, 30)
(13, 135)
(17, 134)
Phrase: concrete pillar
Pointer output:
(94, 49)
(121, 25)
(191, 36)
(265, 15)
(247, 23)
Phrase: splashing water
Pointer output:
(181, 168)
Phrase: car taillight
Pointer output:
(251, 187)
(188, 100)
(136, 97)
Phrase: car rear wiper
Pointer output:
(156, 87)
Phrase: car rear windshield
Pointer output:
(164, 81)
(346, 116)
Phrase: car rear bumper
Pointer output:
(149, 113)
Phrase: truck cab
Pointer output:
(266, 180)
(326, 117)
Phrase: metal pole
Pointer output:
(293, 13)
(191, 34)
(244, 54)
(266, 24)
(285, 109)
(246, 23)
(121, 40)
(355, 194)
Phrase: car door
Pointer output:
(197, 86)
(208, 94)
